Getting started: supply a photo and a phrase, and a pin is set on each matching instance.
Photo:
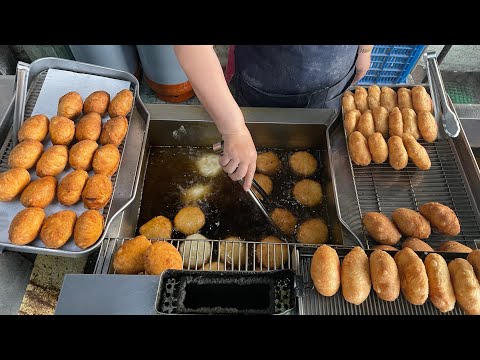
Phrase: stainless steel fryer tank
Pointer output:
(180, 125)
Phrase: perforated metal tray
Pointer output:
(131, 155)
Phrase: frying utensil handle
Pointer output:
(20, 98)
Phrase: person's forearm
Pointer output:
(201, 65)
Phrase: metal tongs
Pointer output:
(21, 79)
(450, 121)
(218, 149)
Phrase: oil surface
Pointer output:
(228, 209)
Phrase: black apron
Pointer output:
(293, 76)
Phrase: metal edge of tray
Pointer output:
(131, 157)
(343, 176)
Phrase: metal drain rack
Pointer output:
(247, 255)
(381, 188)
(312, 303)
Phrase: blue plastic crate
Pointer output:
(391, 64)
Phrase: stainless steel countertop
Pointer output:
(7, 83)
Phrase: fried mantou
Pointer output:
(268, 163)
(232, 251)
(308, 192)
(26, 225)
(411, 223)
(474, 259)
(114, 131)
(378, 148)
(25, 155)
(381, 228)
(361, 99)
(189, 220)
(404, 96)
(384, 275)
(89, 127)
(271, 253)
(358, 147)
(62, 130)
(81, 154)
(441, 217)
(413, 276)
(366, 125)
(416, 152)
(373, 96)
(69, 190)
(388, 98)
(129, 258)
(421, 100)
(88, 229)
(70, 105)
(410, 123)
(350, 121)
(97, 102)
(440, 288)
(106, 160)
(427, 125)
(325, 270)
(355, 277)
(397, 154)
(161, 256)
(97, 192)
(348, 101)
(285, 220)
(58, 228)
(159, 227)
(12, 183)
(454, 246)
(39, 193)
(313, 231)
(34, 128)
(395, 122)
(53, 161)
(265, 183)
(465, 286)
(303, 163)
(121, 103)
(416, 244)
(380, 119)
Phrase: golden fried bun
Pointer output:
(285, 220)
(53, 161)
(384, 247)
(97, 192)
(232, 251)
(39, 193)
(268, 163)
(62, 130)
(215, 266)
(313, 231)
(272, 253)
(114, 131)
(208, 165)
(348, 102)
(381, 228)
(303, 163)
(189, 220)
(97, 102)
(12, 183)
(195, 253)
(441, 217)
(454, 246)
(89, 127)
(416, 244)
(161, 256)
(58, 228)
(157, 228)
(25, 226)
(121, 103)
(34, 128)
(88, 229)
(26, 154)
(358, 148)
(70, 105)
(70, 188)
(308, 192)
(106, 160)
(81, 154)
(411, 223)
(129, 258)
(265, 183)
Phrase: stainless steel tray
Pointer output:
(312, 303)
(454, 180)
(131, 155)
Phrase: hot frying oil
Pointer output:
(228, 209)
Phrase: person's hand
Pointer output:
(239, 159)
(362, 65)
